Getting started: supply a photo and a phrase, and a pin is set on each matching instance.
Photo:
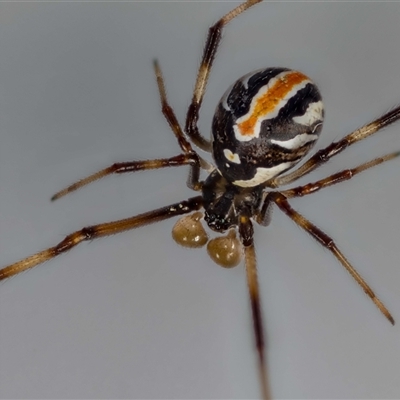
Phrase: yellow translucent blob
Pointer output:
(226, 251)
(189, 232)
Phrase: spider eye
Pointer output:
(189, 232)
(226, 251)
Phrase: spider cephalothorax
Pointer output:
(224, 201)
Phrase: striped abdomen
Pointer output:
(265, 123)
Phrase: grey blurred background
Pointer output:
(135, 316)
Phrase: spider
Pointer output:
(264, 125)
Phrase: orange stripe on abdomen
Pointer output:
(269, 100)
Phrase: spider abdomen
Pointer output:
(265, 123)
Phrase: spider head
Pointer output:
(219, 205)
(224, 202)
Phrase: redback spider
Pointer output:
(314, 110)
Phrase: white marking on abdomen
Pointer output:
(296, 142)
(224, 100)
(264, 174)
(312, 114)
(232, 157)
(245, 79)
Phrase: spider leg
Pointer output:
(130, 166)
(168, 112)
(189, 157)
(246, 235)
(197, 161)
(324, 155)
(337, 177)
(100, 230)
(210, 49)
(280, 200)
